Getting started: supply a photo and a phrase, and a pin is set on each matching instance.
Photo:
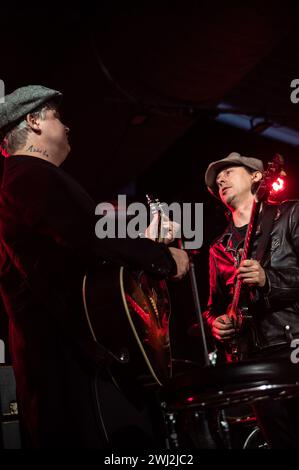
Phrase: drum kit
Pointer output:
(210, 407)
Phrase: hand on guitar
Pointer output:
(169, 229)
(251, 272)
(223, 329)
(182, 262)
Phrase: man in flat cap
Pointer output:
(270, 286)
(47, 242)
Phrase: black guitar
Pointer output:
(128, 313)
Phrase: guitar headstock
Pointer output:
(154, 204)
(273, 179)
(157, 207)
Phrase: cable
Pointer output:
(98, 410)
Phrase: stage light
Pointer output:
(278, 185)
(190, 399)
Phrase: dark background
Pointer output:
(141, 87)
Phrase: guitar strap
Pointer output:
(268, 216)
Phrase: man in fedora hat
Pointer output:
(270, 287)
(47, 227)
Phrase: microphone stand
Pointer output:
(197, 306)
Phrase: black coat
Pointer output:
(47, 241)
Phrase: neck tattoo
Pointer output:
(43, 152)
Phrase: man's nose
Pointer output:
(67, 129)
(221, 180)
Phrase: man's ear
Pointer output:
(257, 176)
(33, 122)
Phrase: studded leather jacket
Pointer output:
(274, 308)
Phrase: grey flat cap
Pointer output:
(234, 159)
(22, 101)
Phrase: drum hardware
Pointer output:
(255, 440)
(222, 399)
(170, 420)
(244, 430)
(189, 428)
(199, 390)
(224, 429)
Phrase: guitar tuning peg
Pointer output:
(149, 198)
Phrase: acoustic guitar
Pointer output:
(128, 313)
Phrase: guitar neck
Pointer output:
(159, 232)
(246, 251)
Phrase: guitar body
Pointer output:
(128, 313)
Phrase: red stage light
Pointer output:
(278, 185)
(190, 399)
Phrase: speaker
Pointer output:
(9, 424)
(10, 435)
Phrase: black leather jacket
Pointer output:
(275, 308)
